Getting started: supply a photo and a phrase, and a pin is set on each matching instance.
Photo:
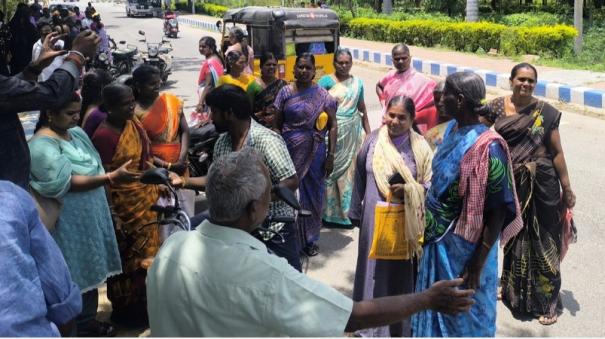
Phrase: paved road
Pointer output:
(582, 138)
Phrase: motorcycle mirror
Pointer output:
(122, 42)
(219, 24)
(155, 176)
(141, 33)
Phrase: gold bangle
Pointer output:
(169, 165)
(184, 181)
(487, 246)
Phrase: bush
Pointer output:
(467, 36)
(541, 40)
(212, 9)
(531, 19)
(205, 8)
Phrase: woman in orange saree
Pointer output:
(119, 139)
(161, 115)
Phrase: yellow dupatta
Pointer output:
(387, 161)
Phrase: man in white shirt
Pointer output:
(45, 29)
(219, 280)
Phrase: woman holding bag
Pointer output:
(389, 154)
(66, 167)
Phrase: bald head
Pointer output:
(400, 48)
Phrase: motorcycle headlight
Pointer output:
(153, 52)
(102, 57)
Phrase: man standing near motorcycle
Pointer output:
(231, 113)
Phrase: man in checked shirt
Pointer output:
(231, 115)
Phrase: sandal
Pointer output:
(96, 328)
(547, 320)
(311, 250)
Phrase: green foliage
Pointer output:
(205, 8)
(211, 9)
(540, 40)
(591, 57)
(466, 36)
(531, 19)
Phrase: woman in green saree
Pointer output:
(352, 120)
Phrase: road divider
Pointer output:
(578, 95)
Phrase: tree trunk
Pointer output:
(387, 6)
(472, 10)
(578, 24)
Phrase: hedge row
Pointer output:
(467, 36)
(205, 8)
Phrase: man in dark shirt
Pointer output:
(21, 93)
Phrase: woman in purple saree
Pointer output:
(305, 113)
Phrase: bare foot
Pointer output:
(547, 320)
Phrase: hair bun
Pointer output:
(482, 110)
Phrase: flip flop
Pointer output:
(547, 320)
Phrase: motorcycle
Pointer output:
(171, 25)
(172, 218)
(124, 58)
(201, 146)
(158, 55)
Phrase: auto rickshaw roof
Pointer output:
(288, 17)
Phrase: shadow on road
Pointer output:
(569, 302)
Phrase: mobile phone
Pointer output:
(396, 179)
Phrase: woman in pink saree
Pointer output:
(405, 81)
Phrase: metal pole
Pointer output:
(192, 6)
(578, 8)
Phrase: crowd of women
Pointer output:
(464, 187)
(472, 174)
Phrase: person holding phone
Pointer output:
(394, 163)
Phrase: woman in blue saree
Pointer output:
(305, 113)
(470, 206)
(352, 120)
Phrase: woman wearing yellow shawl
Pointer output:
(393, 149)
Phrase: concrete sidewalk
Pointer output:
(584, 88)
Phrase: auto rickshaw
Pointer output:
(287, 32)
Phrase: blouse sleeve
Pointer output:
(50, 169)
(281, 98)
(105, 145)
(359, 180)
(499, 190)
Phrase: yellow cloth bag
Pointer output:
(389, 240)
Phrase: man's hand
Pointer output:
(175, 180)
(445, 297)
(48, 53)
(86, 43)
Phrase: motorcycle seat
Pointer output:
(124, 53)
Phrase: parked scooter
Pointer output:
(158, 55)
(171, 25)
